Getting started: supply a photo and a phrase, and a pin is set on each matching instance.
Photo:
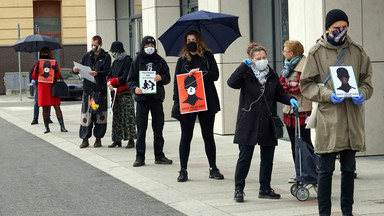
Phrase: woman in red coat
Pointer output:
(45, 98)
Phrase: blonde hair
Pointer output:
(201, 47)
(295, 46)
(254, 47)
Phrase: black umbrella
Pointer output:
(34, 43)
(218, 31)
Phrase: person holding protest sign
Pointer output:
(46, 74)
(195, 56)
(148, 60)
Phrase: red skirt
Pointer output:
(45, 97)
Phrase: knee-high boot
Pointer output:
(46, 124)
(62, 127)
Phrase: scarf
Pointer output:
(121, 56)
(289, 65)
(261, 75)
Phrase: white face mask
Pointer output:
(261, 64)
(149, 50)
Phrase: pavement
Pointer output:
(200, 195)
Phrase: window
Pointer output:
(188, 6)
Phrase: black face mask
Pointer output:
(192, 46)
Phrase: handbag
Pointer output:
(277, 124)
(60, 88)
(311, 123)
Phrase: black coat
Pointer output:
(120, 70)
(211, 74)
(253, 125)
(101, 65)
(140, 64)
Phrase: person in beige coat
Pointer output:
(340, 121)
(290, 76)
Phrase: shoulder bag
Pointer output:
(277, 124)
(311, 123)
(59, 88)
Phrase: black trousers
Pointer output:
(244, 163)
(326, 168)
(91, 120)
(305, 135)
(142, 111)
(187, 123)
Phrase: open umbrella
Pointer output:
(218, 31)
(34, 43)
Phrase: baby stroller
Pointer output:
(306, 163)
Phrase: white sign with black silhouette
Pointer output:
(344, 81)
(147, 82)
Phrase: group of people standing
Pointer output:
(340, 121)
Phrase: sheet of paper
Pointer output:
(84, 71)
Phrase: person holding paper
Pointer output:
(259, 87)
(123, 121)
(195, 57)
(94, 105)
(148, 60)
(340, 129)
(45, 98)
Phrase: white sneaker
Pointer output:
(292, 179)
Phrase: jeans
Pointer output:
(142, 111)
(326, 168)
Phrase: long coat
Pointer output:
(45, 97)
(210, 77)
(253, 125)
(339, 126)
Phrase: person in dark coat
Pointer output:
(195, 57)
(94, 117)
(45, 98)
(123, 121)
(255, 78)
(148, 60)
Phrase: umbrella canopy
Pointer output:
(218, 31)
(34, 43)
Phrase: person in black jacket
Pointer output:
(148, 60)
(195, 57)
(123, 122)
(94, 105)
(256, 79)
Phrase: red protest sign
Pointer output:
(191, 93)
(46, 72)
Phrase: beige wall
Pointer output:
(12, 13)
(73, 22)
(73, 25)
(366, 28)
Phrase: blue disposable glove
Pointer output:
(358, 100)
(33, 82)
(335, 99)
(248, 62)
(294, 104)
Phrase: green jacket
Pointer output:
(339, 126)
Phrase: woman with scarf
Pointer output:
(290, 76)
(123, 122)
(256, 80)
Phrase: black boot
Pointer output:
(46, 124)
(114, 144)
(62, 127)
(183, 176)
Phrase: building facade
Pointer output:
(64, 20)
(267, 22)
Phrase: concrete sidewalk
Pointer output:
(200, 195)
